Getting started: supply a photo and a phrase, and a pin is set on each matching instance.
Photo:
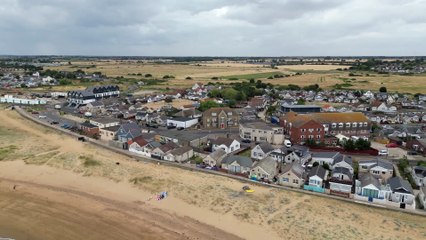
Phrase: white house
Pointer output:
(325, 157)
(419, 175)
(226, 144)
(317, 176)
(182, 122)
(369, 186)
(261, 150)
(401, 191)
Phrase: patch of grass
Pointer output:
(88, 161)
(139, 180)
(5, 152)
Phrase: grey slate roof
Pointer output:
(333, 155)
(379, 162)
(343, 170)
(241, 160)
(295, 167)
(367, 179)
(219, 153)
(222, 140)
(344, 158)
(400, 185)
(420, 171)
(318, 171)
(266, 147)
(268, 164)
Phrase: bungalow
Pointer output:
(237, 164)
(147, 149)
(227, 144)
(325, 157)
(341, 182)
(401, 191)
(291, 175)
(137, 146)
(215, 158)
(181, 154)
(369, 186)
(379, 168)
(316, 177)
(419, 175)
(294, 153)
(345, 162)
(264, 170)
(261, 150)
(161, 151)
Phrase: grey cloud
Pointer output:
(213, 27)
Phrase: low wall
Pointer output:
(219, 173)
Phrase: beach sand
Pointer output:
(65, 189)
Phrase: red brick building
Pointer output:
(300, 128)
(89, 129)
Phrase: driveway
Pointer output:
(393, 152)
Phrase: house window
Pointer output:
(364, 167)
(365, 124)
(333, 125)
(303, 130)
(348, 125)
(318, 129)
(383, 172)
(285, 179)
(296, 181)
(214, 114)
(354, 124)
(340, 125)
(318, 136)
(229, 113)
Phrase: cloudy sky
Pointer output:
(213, 27)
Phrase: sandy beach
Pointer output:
(65, 189)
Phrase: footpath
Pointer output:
(136, 157)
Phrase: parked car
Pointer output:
(383, 152)
(412, 153)
(246, 141)
(171, 126)
(54, 123)
(391, 145)
(180, 128)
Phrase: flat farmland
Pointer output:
(327, 76)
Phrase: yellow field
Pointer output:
(324, 75)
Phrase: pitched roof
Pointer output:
(168, 146)
(420, 171)
(339, 117)
(140, 141)
(343, 170)
(318, 171)
(398, 184)
(294, 167)
(379, 162)
(343, 158)
(222, 140)
(181, 150)
(241, 160)
(268, 164)
(367, 179)
(217, 110)
(266, 147)
(218, 154)
(333, 155)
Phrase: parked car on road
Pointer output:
(391, 145)
(383, 152)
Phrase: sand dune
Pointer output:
(59, 194)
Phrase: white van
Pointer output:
(287, 143)
(383, 152)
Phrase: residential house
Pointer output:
(258, 131)
(227, 144)
(419, 175)
(295, 153)
(181, 154)
(325, 157)
(345, 162)
(108, 133)
(369, 186)
(291, 175)
(223, 117)
(341, 181)
(237, 164)
(401, 191)
(128, 131)
(215, 158)
(189, 113)
(161, 151)
(261, 150)
(258, 103)
(379, 168)
(148, 148)
(264, 170)
(137, 146)
(105, 122)
(91, 94)
(316, 179)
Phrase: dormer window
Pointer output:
(365, 124)
(333, 125)
(354, 124)
(340, 125)
(214, 114)
(348, 125)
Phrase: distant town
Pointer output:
(366, 145)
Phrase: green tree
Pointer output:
(206, 105)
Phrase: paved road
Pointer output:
(393, 152)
